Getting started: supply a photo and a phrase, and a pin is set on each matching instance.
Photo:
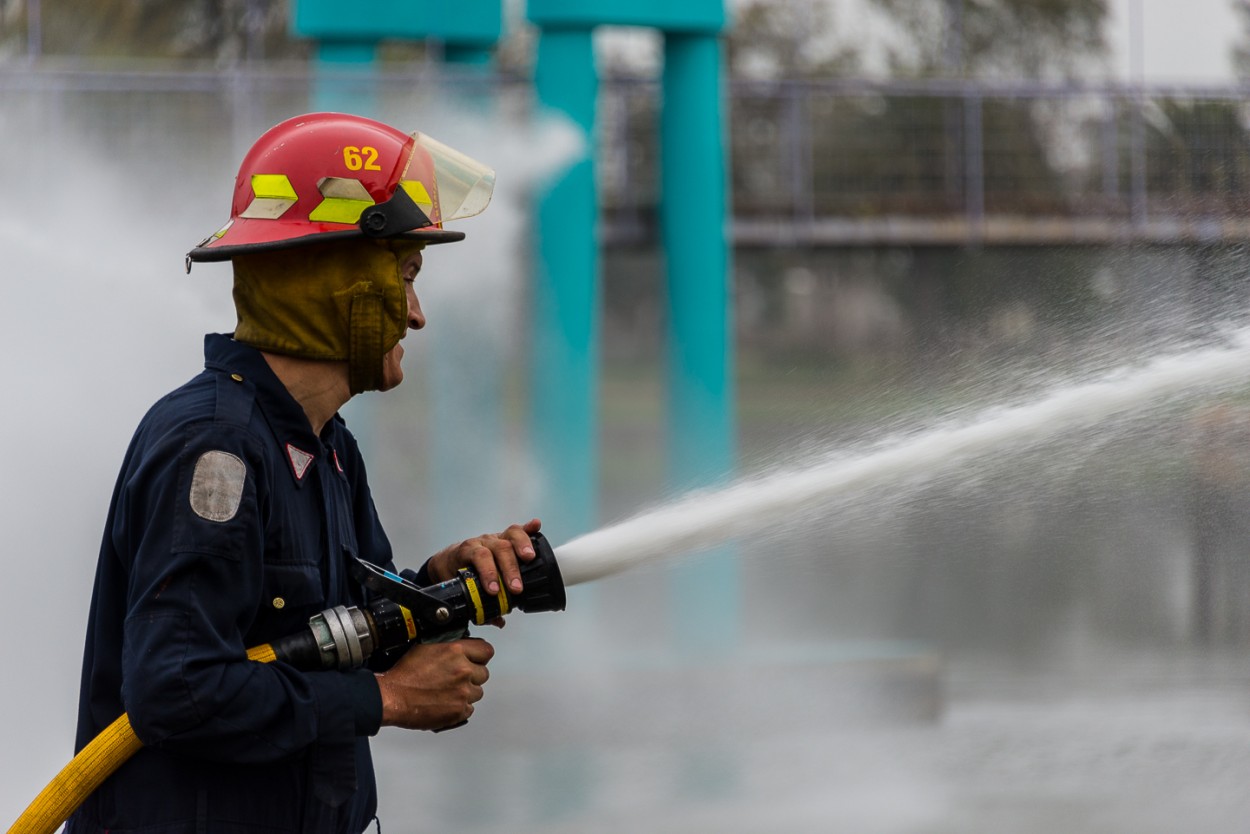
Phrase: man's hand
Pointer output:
(495, 557)
(435, 685)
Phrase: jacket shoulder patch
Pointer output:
(217, 486)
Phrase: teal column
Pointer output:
(564, 319)
(700, 382)
(343, 75)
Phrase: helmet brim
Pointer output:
(220, 251)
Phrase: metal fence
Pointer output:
(833, 162)
(855, 161)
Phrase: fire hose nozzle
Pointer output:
(404, 612)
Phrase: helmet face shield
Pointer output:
(464, 185)
(326, 176)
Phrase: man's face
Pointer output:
(392, 368)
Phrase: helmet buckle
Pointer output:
(397, 215)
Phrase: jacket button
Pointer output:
(236, 377)
(278, 602)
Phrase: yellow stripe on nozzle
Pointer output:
(470, 583)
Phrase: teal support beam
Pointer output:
(477, 22)
(701, 430)
(564, 320)
(701, 436)
(564, 360)
(347, 35)
(666, 15)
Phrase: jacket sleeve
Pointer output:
(190, 521)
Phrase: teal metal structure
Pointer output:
(462, 23)
(701, 427)
(565, 314)
(565, 304)
(347, 35)
(702, 431)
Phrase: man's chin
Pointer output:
(392, 368)
(391, 381)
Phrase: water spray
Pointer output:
(702, 520)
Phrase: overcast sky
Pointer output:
(1181, 40)
(1186, 41)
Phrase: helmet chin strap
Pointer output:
(397, 215)
(365, 358)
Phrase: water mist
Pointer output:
(705, 519)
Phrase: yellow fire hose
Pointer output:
(88, 770)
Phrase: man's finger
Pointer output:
(482, 557)
(521, 542)
(477, 650)
(504, 557)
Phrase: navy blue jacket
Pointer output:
(230, 526)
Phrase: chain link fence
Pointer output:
(850, 161)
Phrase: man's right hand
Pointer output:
(435, 685)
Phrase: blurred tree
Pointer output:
(19, 23)
(1033, 39)
(776, 47)
(935, 165)
(793, 39)
(1241, 48)
(223, 31)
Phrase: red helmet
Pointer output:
(324, 176)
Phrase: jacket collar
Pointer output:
(285, 416)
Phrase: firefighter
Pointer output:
(243, 496)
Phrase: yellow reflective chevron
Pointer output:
(274, 194)
(344, 200)
(417, 191)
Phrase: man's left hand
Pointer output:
(495, 557)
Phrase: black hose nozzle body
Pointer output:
(404, 612)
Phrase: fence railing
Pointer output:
(838, 161)
(856, 161)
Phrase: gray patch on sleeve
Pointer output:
(217, 486)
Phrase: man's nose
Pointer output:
(416, 318)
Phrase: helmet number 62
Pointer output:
(357, 158)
